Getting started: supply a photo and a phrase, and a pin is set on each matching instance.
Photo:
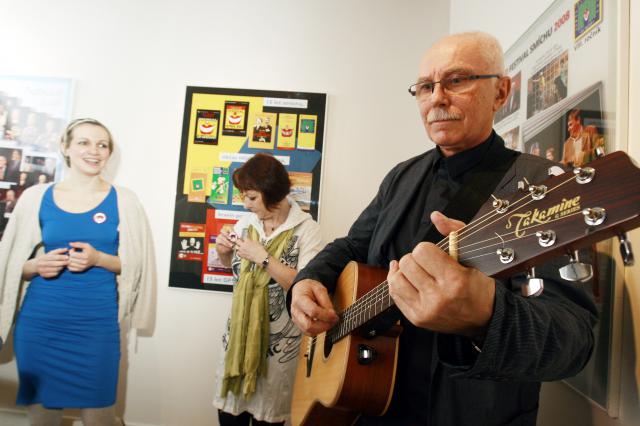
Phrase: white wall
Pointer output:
(560, 405)
(131, 61)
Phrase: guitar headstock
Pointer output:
(554, 217)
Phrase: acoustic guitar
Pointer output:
(344, 371)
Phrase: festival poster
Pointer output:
(191, 244)
(236, 115)
(197, 193)
(262, 134)
(307, 131)
(220, 185)
(287, 127)
(567, 64)
(207, 124)
(301, 188)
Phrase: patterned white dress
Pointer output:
(272, 400)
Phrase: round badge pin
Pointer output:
(99, 217)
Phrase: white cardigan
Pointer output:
(136, 281)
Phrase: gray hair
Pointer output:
(489, 47)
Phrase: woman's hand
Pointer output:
(82, 256)
(225, 242)
(49, 265)
(251, 250)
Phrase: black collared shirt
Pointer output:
(447, 176)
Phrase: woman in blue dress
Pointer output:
(67, 334)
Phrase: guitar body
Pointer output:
(333, 388)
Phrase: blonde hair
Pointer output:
(65, 140)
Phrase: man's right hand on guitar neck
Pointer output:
(311, 307)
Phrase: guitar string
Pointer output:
(494, 213)
(372, 297)
(443, 243)
(501, 242)
(381, 290)
(365, 301)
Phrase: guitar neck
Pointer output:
(372, 304)
(557, 216)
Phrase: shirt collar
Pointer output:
(464, 161)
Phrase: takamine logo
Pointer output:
(536, 217)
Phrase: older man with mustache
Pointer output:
(474, 350)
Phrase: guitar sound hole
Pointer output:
(328, 345)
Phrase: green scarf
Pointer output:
(246, 357)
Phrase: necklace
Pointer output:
(269, 228)
(276, 220)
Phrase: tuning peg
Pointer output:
(576, 271)
(534, 286)
(594, 216)
(501, 206)
(538, 192)
(584, 174)
(546, 238)
(625, 250)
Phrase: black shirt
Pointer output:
(448, 175)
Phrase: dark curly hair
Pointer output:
(265, 174)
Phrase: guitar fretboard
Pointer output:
(362, 310)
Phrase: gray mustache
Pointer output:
(439, 114)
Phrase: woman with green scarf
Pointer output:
(265, 250)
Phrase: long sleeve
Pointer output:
(137, 280)
(541, 338)
(20, 237)
(143, 300)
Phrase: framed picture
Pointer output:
(570, 116)
(207, 203)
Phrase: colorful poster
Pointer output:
(207, 124)
(197, 193)
(287, 129)
(301, 188)
(249, 122)
(262, 134)
(220, 185)
(191, 244)
(307, 131)
(235, 118)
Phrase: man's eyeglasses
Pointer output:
(453, 84)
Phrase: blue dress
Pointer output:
(67, 338)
